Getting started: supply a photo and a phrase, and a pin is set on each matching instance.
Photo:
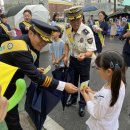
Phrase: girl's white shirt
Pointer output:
(102, 116)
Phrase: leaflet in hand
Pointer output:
(46, 70)
(84, 85)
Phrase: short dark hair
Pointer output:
(3, 16)
(59, 30)
(27, 10)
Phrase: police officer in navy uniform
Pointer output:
(38, 36)
(80, 43)
(126, 49)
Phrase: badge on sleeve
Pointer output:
(81, 40)
(85, 31)
(90, 40)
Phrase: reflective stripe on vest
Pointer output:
(100, 34)
(16, 45)
(26, 24)
(5, 29)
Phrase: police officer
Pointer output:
(5, 30)
(126, 49)
(18, 53)
(80, 43)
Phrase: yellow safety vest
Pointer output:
(7, 71)
(69, 34)
(129, 25)
(5, 29)
(101, 37)
(26, 24)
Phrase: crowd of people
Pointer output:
(74, 48)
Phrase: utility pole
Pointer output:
(114, 5)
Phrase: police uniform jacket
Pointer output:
(3, 36)
(27, 40)
(83, 40)
(25, 62)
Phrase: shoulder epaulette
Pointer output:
(85, 31)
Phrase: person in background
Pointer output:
(113, 29)
(5, 30)
(105, 105)
(24, 25)
(124, 22)
(91, 21)
(57, 52)
(80, 44)
(0, 14)
(128, 18)
(125, 35)
(55, 19)
(100, 30)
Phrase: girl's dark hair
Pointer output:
(114, 61)
(105, 16)
(59, 30)
(3, 16)
(27, 10)
(54, 16)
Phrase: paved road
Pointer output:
(69, 119)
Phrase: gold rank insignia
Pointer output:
(47, 81)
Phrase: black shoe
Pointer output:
(81, 112)
(71, 102)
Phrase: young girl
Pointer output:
(105, 107)
(57, 53)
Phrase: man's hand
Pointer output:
(65, 60)
(3, 106)
(81, 56)
(41, 69)
(70, 88)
